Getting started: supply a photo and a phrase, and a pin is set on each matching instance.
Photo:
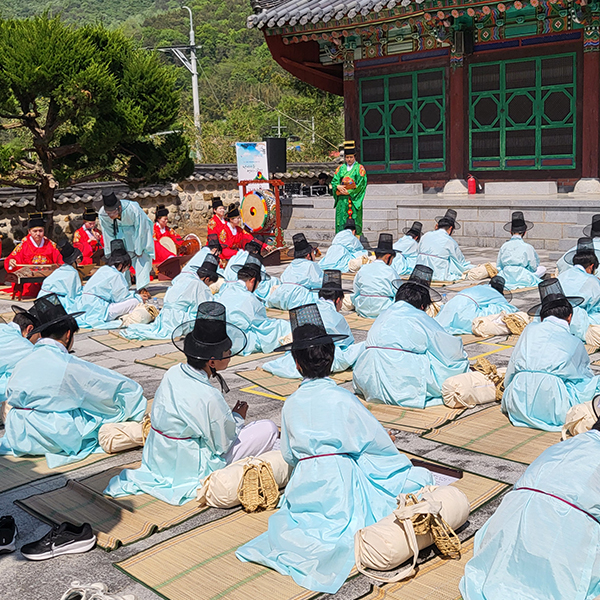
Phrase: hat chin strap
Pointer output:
(219, 378)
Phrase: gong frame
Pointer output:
(276, 184)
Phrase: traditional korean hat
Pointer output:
(497, 282)
(254, 263)
(90, 214)
(209, 336)
(216, 202)
(421, 276)
(36, 220)
(416, 229)
(349, 148)
(301, 246)
(552, 295)
(30, 313)
(69, 253)
(518, 224)
(448, 219)
(209, 267)
(308, 329)
(212, 241)
(350, 224)
(332, 280)
(253, 247)
(593, 230)
(49, 311)
(385, 244)
(110, 201)
(585, 245)
(118, 250)
(232, 211)
(161, 211)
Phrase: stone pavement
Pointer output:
(24, 580)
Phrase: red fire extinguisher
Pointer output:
(472, 184)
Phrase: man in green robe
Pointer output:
(349, 185)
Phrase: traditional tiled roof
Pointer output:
(229, 172)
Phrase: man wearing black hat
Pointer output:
(125, 220)
(408, 249)
(213, 246)
(441, 253)
(345, 249)
(65, 281)
(58, 401)
(194, 432)
(518, 262)
(34, 249)
(408, 354)
(592, 231)
(246, 311)
(217, 222)
(549, 369)
(301, 280)
(88, 238)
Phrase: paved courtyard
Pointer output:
(24, 580)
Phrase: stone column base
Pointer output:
(587, 186)
(456, 187)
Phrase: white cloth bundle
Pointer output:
(220, 488)
(117, 437)
(592, 336)
(216, 286)
(580, 418)
(354, 264)
(347, 305)
(467, 390)
(433, 309)
(480, 272)
(490, 325)
(142, 313)
(392, 541)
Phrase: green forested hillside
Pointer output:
(242, 89)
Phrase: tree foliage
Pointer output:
(83, 103)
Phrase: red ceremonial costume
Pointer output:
(160, 252)
(216, 226)
(27, 253)
(86, 241)
(233, 239)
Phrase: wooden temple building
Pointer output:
(435, 90)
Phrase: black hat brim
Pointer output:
(574, 301)
(455, 223)
(321, 340)
(335, 288)
(384, 250)
(207, 273)
(311, 248)
(587, 231)
(408, 230)
(264, 276)
(44, 326)
(434, 295)
(570, 255)
(509, 227)
(236, 335)
(71, 258)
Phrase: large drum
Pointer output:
(259, 210)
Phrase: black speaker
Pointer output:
(464, 42)
(276, 154)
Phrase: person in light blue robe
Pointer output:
(549, 369)
(374, 291)
(347, 471)
(58, 401)
(591, 231)
(408, 249)
(345, 246)
(65, 281)
(301, 280)
(441, 253)
(194, 432)
(517, 260)
(580, 281)
(125, 220)
(542, 542)
(408, 354)
(457, 315)
(106, 295)
(213, 246)
(248, 313)
(181, 303)
(331, 296)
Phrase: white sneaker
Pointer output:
(80, 591)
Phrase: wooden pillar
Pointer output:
(457, 121)
(351, 107)
(590, 103)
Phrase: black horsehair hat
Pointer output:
(117, 248)
(518, 224)
(253, 247)
(498, 282)
(209, 336)
(308, 329)
(350, 224)
(209, 267)
(301, 246)
(212, 241)
(90, 214)
(552, 295)
(232, 211)
(36, 220)
(448, 219)
(385, 244)
(31, 313)
(110, 201)
(421, 276)
(585, 245)
(254, 263)
(216, 202)
(69, 253)
(332, 280)
(415, 229)
(49, 311)
(593, 230)
(161, 211)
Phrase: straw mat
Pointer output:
(201, 564)
(355, 321)
(590, 349)
(413, 419)
(511, 340)
(16, 471)
(275, 313)
(116, 342)
(469, 338)
(7, 317)
(115, 521)
(490, 432)
(166, 361)
(525, 289)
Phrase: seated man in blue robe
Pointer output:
(213, 246)
(408, 354)
(373, 285)
(441, 253)
(58, 401)
(457, 315)
(106, 295)
(542, 541)
(301, 280)
(591, 231)
(549, 369)
(181, 303)
(248, 313)
(345, 247)
(194, 432)
(408, 249)
(517, 260)
(347, 471)
(65, 281)
(580, 280)
(331, 296)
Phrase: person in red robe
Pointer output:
(161, 230)
(34, 249)
(235, 238)
(217, 222)
(88, 238)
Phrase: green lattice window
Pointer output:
(522, 114)
(403, 122)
